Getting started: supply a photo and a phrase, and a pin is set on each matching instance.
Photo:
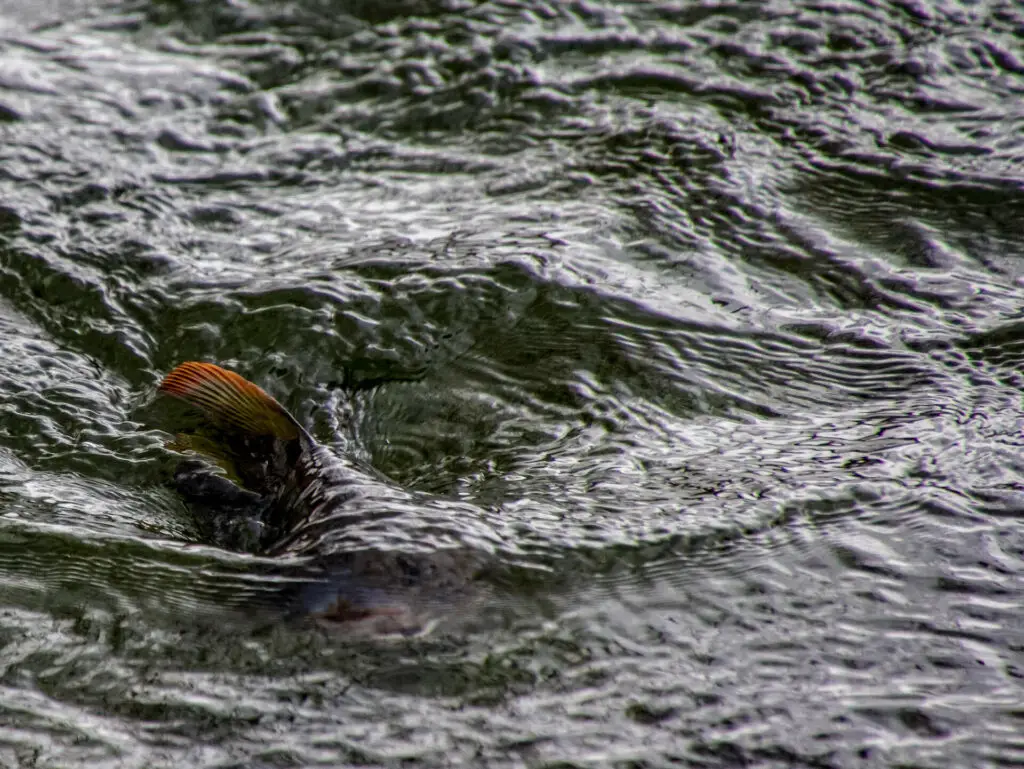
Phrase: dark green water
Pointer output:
(711, 311)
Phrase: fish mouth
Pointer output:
(340, 606)
(378, 621)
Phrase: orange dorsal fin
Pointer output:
(229, 400)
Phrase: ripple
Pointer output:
(701, 320)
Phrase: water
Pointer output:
(712, 313)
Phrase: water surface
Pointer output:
(710, 312)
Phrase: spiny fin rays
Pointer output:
(230, 401)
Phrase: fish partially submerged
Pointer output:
(296, 498)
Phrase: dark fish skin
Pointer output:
(228, 515)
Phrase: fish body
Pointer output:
(297, 498)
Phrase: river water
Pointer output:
(712, 310)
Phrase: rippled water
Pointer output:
(704, 319)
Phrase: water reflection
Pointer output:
(711, 311)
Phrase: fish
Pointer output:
(265, 485)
